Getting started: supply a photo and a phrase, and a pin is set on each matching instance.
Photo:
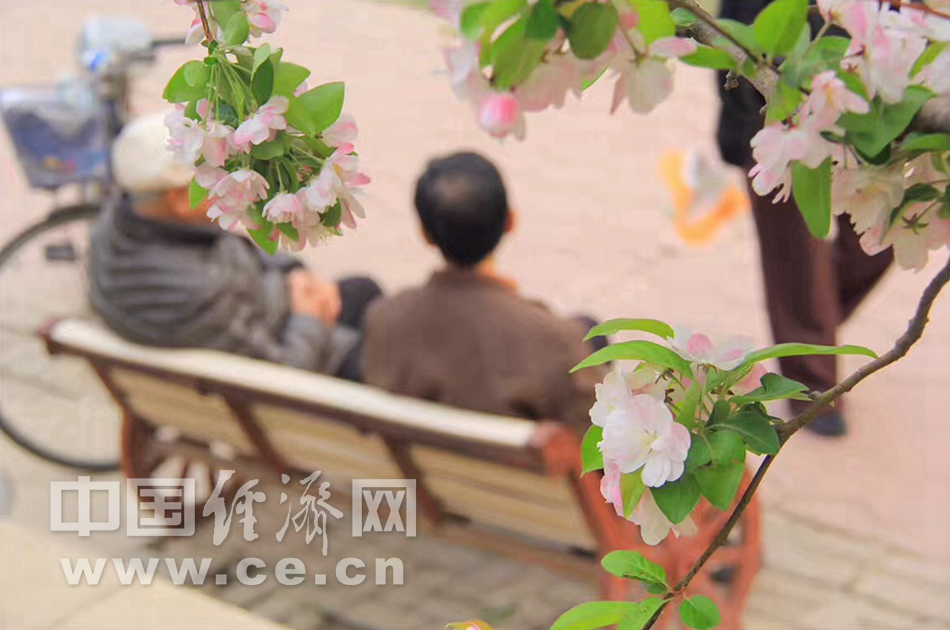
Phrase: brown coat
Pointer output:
(468, 340)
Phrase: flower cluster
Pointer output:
(263, 16)
(269, 153)
(894, 196)
(642, 70)
(677, 427)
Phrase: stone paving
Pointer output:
(856, 531)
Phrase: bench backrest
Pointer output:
(503, 472)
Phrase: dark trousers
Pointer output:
(811, 286)
(356, 294)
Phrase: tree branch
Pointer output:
(915, 330)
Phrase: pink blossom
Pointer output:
(232, 194)
(336, 182)
(610, 486)
(752, 381)
(500, 114)
(644, 435)
(190, 140)
(936, 75)
(829, 99)
(264, 16)
(263, 124)
(464, 69)
(654, 526)
(284, 208)
(611, 395)
(549, 84)
(868, 194)
(776, 146)
(912, 240)
(343, 131)
(645, 80)
(725, 354)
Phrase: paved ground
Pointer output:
(856, 531)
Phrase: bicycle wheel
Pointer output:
(54, 407)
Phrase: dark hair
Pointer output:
(463, 207)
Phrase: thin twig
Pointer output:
(915, 329)
(923, 8)
(205, 24)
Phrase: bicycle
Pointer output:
(57, 409)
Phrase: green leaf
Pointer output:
(631, 491)
(591, 457)
(639, 616)
(270, 150)
(921, 192)
(755, 428)
(288, 78)
(613, 326)
(708, 57)
(726, 448)
(323, 104)
(496, 14)
(264, 238)
(676, 499)
(719, 484)
(687, 408)
(774, 387)
(471, 20)
(637, 351)
(720, 413)
(682, 18)
(331, 218)
(261, 55)
(237, 29)
(514, 56)
(800, 350)
(592, 28)
(633, 565)
(926, 142)
(934, 50)
(224, 10)
(698, 455)
(784, 102)
(180, 90)
(196, 194)
(699, 612)
(262, 83)
(543, 22)
(655, 20)
(743, 33)
(873, 132)
(778, 26)
(289, 230)
(591, 615)
(197, 75)
(812, 190)
(298, 117)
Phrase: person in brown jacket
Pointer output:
(466, 338)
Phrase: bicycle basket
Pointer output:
(60, 133)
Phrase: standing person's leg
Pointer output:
(356, 294)
(802, 297)
(801, 289)
(858, 273)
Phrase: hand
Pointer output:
(314, 296)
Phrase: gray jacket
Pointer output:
(171, 285)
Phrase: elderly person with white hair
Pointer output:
(163, 275)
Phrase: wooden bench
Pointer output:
(503, 483)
